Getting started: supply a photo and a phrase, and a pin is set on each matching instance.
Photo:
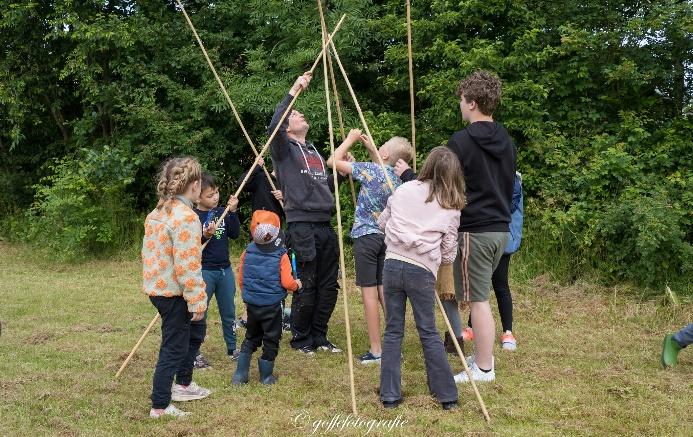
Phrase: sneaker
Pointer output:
(233, 356)
(670, 351)
(286, 327)
(369, 358)
(306, 350)
(240, 323)
(508, 342)
(477, 374)
(180, 393)
(329, 347)
(171, 410)
(201, 362)
(467, 334)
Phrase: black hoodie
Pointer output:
(487, 155)
(302, 174)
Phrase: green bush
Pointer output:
(83, 208)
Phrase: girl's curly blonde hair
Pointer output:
(175, 176)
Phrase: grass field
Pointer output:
(587, 364)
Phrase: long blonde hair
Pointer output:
(443, 170)
(175, 176)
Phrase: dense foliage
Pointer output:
(597, 95)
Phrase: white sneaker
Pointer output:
(477, 374)
(171, 410)
(192, 392)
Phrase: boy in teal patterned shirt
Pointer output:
(369, 240)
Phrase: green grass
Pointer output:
(587, 364)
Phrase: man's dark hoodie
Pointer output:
(302, 174)
(488, 158)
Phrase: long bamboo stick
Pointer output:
(137, 345)
(337, 100)
(411, 83)
(361, 117)
(340, 238)
(226, 94)
(279, 123)
(464, 361)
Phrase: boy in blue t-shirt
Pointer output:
(216, 266)
(369, 240)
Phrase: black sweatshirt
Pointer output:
(260, 191)
(302, 174)
(487, 155)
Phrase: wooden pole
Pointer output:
(464, 361)
(226, 94)
(337, 100)
(350, 360)
(245, 180)
(279, 123)
(411, 83)
(137, 345)
(361, 117)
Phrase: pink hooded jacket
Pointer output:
(421, 231)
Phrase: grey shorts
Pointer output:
(478, 255)
(369, 254)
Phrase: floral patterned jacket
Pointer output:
(171, 255)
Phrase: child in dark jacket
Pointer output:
(265, 275)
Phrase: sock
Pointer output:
(374, 354)
(484, 370)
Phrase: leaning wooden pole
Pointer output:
(279, 123)
(247, 176)
(340, 238)
(361, 117)
(337, 100)
(411, 83)
(137, 345)
(226, 94)
(464, 361)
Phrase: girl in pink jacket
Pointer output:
(420, 224)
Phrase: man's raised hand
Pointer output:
(301, 83)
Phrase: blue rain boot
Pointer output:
(242, 369)
(266, 368)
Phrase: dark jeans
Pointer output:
(401, 281)
(264, 328)
(180, 343)
(501, 288)
(317, 257)
(684, 337)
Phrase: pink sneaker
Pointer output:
(467, 334)
(508, 342)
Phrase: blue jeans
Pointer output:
(685, 336)
(221, 282)
(404, 281)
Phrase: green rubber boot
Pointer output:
(670, 351)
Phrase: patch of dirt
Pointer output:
(40, 337)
